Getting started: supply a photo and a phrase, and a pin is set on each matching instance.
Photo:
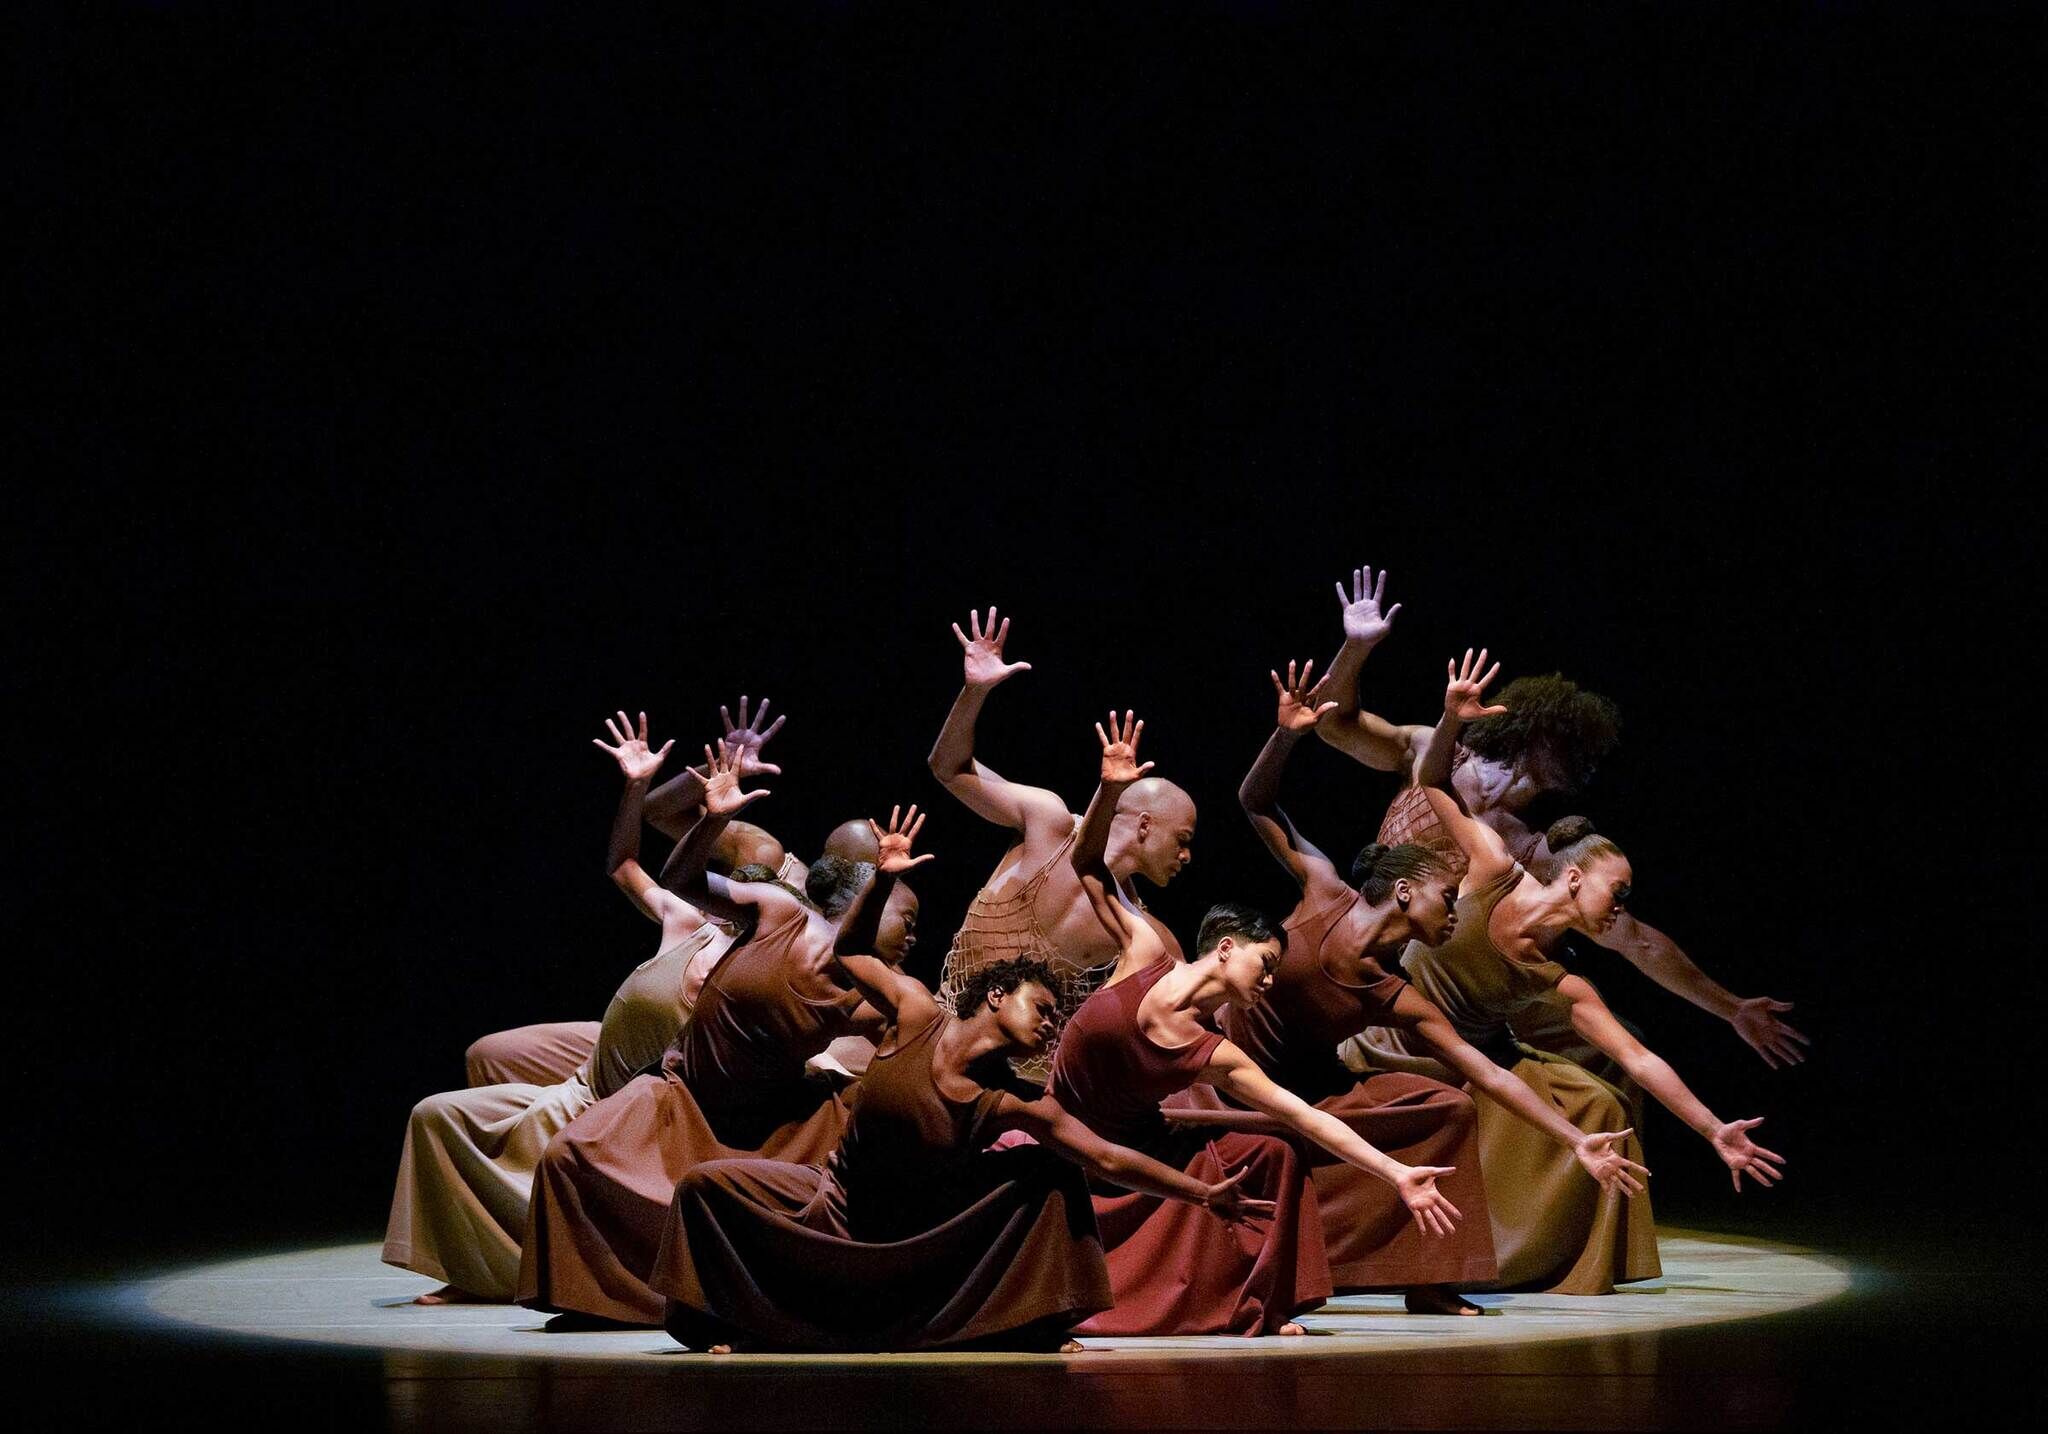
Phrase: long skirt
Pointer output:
(601, 1196)
(766, 1255)
(1177, 1269)
(1546, 1025)
(532, 1055)
(1372, 1240)
(458, 1212)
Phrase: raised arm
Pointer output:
(1484, 850)
(1382, 745)
(1232, 1070)
(1048, 1123)
(637, 763)
(1755, 1019)
(1031, 811)
(861, 923)
(1600, 1154)
(1120, 768)
(687, 872)
(672, 806)
(1259, 793)
(1730, 1139)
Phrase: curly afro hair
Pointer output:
(1004, 976)
(1576, 727)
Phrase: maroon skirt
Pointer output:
(602, 1194)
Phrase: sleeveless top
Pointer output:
(747, 1041)
(906, 1137)
(647, 1012)
(1293, 1034)
(1473, 982)
(1111, 1076)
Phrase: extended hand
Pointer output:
(1299, 707)
(1744, 1156)
(722, 794)
(1364, 621)
(1601, 1156)
(893, 842)
(1230, 1205)
(1756, 1021)
(1120, 751)
(1461, 695)
(1432, 1211)
(746, 740)
(984, 666)
(632, 754)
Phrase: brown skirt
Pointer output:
(1372, 1240)
(601, 1196)
(763, 1254)
(1180, 1270)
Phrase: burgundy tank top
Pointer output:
(1110, 1075)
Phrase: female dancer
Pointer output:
(732, 1084)
(1550, 1229)
(466, 1175)
(913, 1234)
(1148, 1035)
(1329, 987)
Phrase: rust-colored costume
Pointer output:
(1554, 1228)
(733, 1085)
(910, 1235)
(1178, 1269)
(1372, 1240)
(531, 1055)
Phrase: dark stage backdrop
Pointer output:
(419, 398)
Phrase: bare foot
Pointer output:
(719, 1349)
(1290, 1328)
(1072, 1346)
(453, 1295)
(1439, 1300)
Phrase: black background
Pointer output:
(410, 394)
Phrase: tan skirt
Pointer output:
(465, 1178)
(532, 1055)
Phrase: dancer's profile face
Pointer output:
(1247, 969)
(1601, 891)
(1028, 1016)
(898, 932)
(1432, 905)
(1165, 840)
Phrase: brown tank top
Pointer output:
(752, 1031)
(647, 1012)
(1111, 1076)
(1293, 1034)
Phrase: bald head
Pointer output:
(853, 841)
(1166, 801)
(744, 844)
(1155, 822)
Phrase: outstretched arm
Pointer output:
(1488, 856)
(672, 806)
(1028, 810)
(638, 763)
(1370, 738)
(687, 872)
(1048, 1123)
(1730, 1139)
(861, 922)
(1259, 793)
(1660, 958)
(1120, 768)
(1234, 1071)
(1600, 1154)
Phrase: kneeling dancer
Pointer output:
(733, 1083)
(1149, 1035)
(914, 1234)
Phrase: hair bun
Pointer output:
(1368, 858)
(1567, 830)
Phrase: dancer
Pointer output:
(466, 1173)
(733, 1083)
(1149, 1035)
(1547, 738)
(1550, 1230)
(553, 1051)
(1033, 904)
(1330, 986)
(913, 1234)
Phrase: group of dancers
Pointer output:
(777, 1140)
